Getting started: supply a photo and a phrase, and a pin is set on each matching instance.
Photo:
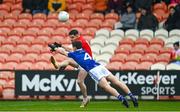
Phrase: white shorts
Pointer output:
(99, 72)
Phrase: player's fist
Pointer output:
(53, 46)
(57, 44)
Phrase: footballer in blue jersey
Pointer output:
(74, 35)
(97, 72)
(83, 59)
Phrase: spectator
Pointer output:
(115, 6)
(27, 6)
(40, 6)
(170, 22)
(176, 54)
(147, 20)
(139, 4)
(173, 21)
(177, 14)
(101, 6)
(56, 5)
(128, 20)
(126, 4)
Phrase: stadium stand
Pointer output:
(158, 66)
(172, 67)
(132, 34)
(162, 34)
(24, 38)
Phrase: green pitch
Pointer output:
(56, 106)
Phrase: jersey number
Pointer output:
(86, 56)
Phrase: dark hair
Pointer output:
(176, 43)
(171, 7)
(73, 32)
(129, 6)
(77, 44)
(148, 10)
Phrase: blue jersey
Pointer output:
(83, 59)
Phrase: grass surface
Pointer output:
(35, 106)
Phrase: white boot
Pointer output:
(85, 102)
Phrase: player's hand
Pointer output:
(54, 46)
(57, 44)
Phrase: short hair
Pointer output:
(73, 32)
(171, 7)
(129, 6)
(176, 43)
(77, 44)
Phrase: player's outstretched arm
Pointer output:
(69, 61)
(62, 51)
(69, 49)
(60, 48)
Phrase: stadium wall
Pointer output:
(144, 84)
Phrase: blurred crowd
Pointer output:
(127, 10)
(43, 6)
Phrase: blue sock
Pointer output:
(120, 97)
(131, 95)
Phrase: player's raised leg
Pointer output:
(123, 86)
(104, 84)
(53, 61)
(64, 63)
(80, 80)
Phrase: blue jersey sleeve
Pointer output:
(70, 54)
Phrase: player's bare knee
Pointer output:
(113, 80)
(117, 84)
(105, 86)
(80, 81)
